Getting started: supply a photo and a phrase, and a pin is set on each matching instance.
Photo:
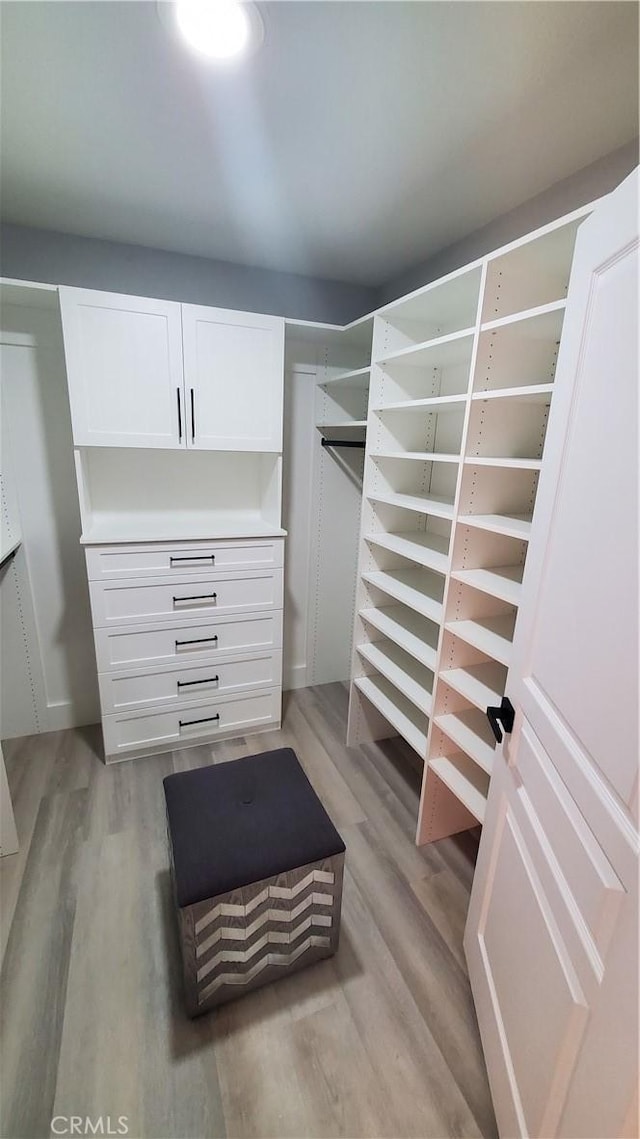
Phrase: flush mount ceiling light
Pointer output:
(219, 30)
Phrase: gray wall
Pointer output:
(58, 258)
(30, 254)
(585, 186)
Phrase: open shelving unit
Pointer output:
(461, 385)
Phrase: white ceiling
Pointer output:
(363, 137)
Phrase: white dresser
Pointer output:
(188, 641)
(177, 422)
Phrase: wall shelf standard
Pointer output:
(461, 384)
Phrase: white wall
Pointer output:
(48, 665)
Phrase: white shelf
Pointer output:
(357, 378)
(423, 547)
(465, 779)
(481, 684)
(417, 456)
(403, 672)
(9, 549)
(444, 304)
(403, 628)
(343, 425)
(491, 635)
(470, 730)
(504, 582)
(528, 393)
(422, 504)
(400, 713)
(116, 528)
(524, 314)
(510, 464)
(419, 589)
(432, 403)
(512, 526)
(440, 351)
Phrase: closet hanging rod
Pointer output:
(343, 443)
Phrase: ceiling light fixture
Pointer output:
(221, 30)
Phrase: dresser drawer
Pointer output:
(174, 560)
(226, 715)
(147, 646)
(176, 687)
(168, 599)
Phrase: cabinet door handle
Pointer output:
(193, 417)
(193, 558)
(189, 683)
(179, 415)
(504, 715)
(197, 597)
(207, 720)
(196, 641)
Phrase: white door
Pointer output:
(124, 368)
(552, 932)
(233, 367)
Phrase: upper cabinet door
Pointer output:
(233, 369)
(124, 367)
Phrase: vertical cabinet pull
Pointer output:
(179, 415)
(193, 417)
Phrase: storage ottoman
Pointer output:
(257, 870)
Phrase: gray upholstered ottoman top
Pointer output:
(239, 822)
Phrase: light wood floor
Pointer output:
(381, 1040)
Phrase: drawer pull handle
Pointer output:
(197, 597)
(197, 641)
(192, 558)
(189, 683)
(207, 720)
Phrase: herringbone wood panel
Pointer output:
(379, 1040)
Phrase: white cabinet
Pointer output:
(233, 375)
(124, 369)
(189, 646)
(150, 373)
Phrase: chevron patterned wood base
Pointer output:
(256, 934)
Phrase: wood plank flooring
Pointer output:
(380, 1040)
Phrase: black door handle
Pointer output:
(504, 715)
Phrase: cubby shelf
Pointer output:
(419, 589)
(417, 456)
(511, 525)
(467, 781)
(421, 546)
(503, 582)
(430, 403)
(357, 377)
(400, 627)
(491, 635)
(512, 464)
(401, 714)
(405, 674)
(440, 352)
(470, 731)
(523, 315)
(461, 389)
(528, 393)
(422, 504)
(480, 684)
